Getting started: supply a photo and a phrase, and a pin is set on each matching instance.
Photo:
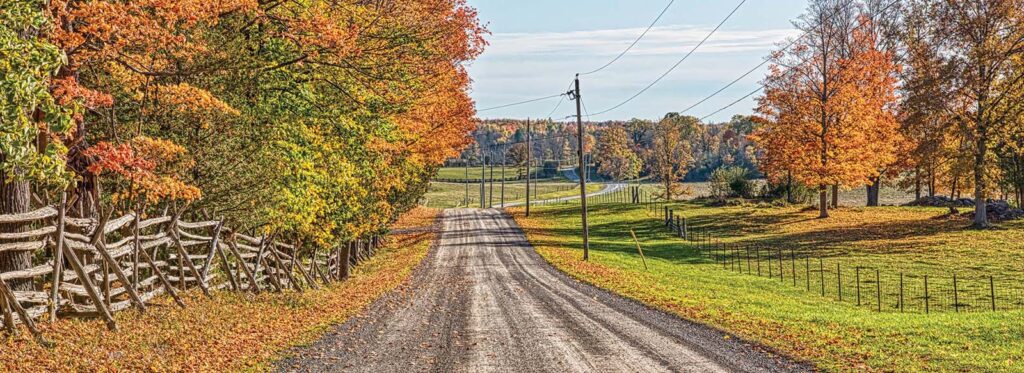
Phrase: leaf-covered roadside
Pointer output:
(229, 332)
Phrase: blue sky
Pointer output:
(538, 45)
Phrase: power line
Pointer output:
(559, 104)
(761, 86)
(521, 102)
(656, 81)
(733, 103)
(663, 11)
(751, 71)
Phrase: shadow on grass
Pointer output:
(610, 225)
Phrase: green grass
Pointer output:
(459, 173)
(836, 336)
(451, 195)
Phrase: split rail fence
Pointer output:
(84, 267)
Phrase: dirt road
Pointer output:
(484, 301)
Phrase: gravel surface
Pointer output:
(485, 301)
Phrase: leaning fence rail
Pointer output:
(96, 267)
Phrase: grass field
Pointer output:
(450, 195)
(835, 336)
(459, 173)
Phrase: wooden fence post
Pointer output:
(58, 258)
(346, 258)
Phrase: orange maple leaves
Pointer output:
(149, 165)
(835, 125)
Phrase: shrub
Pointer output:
(731, 182)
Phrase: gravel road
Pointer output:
(484, 301)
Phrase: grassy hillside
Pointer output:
(838, 336)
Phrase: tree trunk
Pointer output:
(822, 201)
(789, 186)
(931, 183)
(15, 198)
(917, 183)
(980, 206)
(873, 189)
(835, 196)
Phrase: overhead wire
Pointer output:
(521, 102)
(676, 65)
(761, 86)
(662, 14)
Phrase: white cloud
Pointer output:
(660, 41)
(518, 66)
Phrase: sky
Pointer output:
(537, 46)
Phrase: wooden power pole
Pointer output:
(504, 163)
(583, 170)
(528, 151)
(483, 171)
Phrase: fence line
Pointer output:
(862, 285)
(837, 279)
(83, 267)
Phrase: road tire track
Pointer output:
(485, 301)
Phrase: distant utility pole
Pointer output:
(490, 198)
(582, 168)
(466, 164)
(528, 148)
(483, 171)
(504, 151)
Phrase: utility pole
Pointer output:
(490, 198)
(483, 171)
(504, 151)
(528, 151)
(466, 164)
(582, 168)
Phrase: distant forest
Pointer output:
(711, 146)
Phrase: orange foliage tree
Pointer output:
(829, 118)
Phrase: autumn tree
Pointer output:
(615, 157)
(979, 41)
(671, 152)
(30, 118)
(828, 117)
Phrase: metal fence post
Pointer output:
(926, 298)
(878, 289)
(807, 265)
(839, 280)
(792, 261)
(821, 274)
(757, 254)
(956, 297)
(992, 291)
(901, 292)
(857, 274)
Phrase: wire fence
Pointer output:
(872, 286)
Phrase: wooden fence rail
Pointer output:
(94, 268)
